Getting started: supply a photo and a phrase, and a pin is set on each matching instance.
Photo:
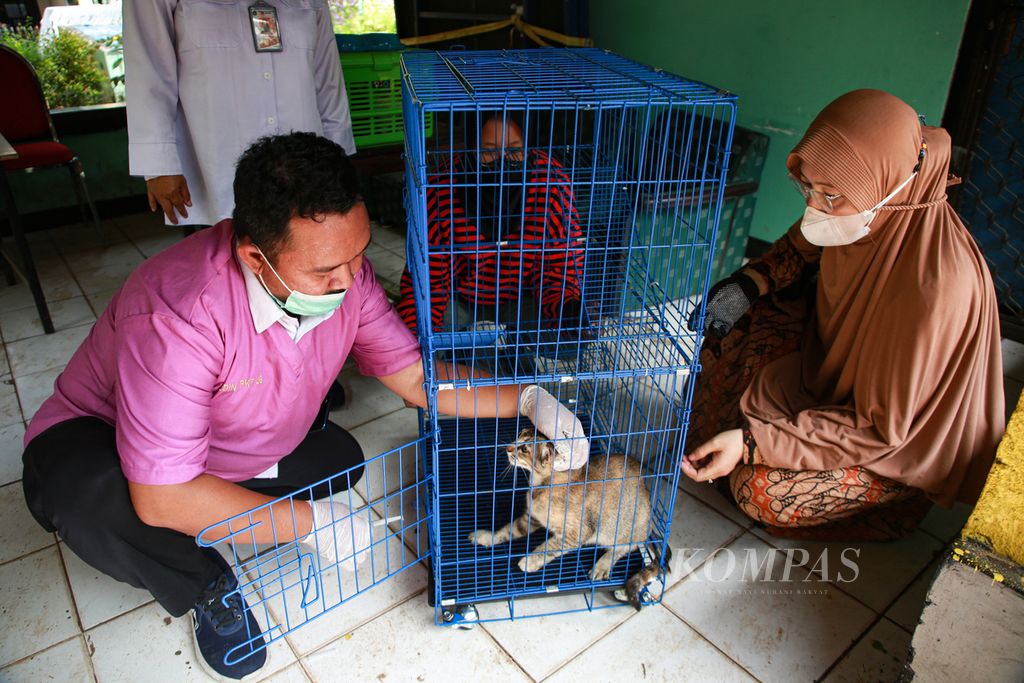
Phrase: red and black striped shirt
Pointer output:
(545, 253)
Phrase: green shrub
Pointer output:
(363, 16)
(65, 63)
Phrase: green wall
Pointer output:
(787, 59)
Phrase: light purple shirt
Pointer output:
(176, 363)
(198, 94)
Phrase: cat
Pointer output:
(613, 509)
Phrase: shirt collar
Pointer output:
(265, 311)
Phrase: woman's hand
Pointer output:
(716, 458)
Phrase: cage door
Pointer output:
(380, 538)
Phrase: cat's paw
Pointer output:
(532, 563)
(482, 537)
(601, 571)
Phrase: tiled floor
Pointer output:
(64, 621)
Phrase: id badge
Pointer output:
(266, 30)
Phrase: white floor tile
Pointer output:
(529, 640)
(104, 278)
(35, 388)
(406, 645)
(100, 300)
(23, 323)
(325, 617)
(944, 524)
(653, 646)
(1013, 359)
(56, 282)
(388, 266)
(5, 368)
(39, 243)
(46, 352)
(35, 604)
(97, 596)
(85, 236)
(10, 409)
(879, 656)
(11, 438)
(20, 534)
(906, 611)
(149, 645)
(776, 629)
(148, 232)
(697, 531)
(67, 662)
(365, 399)
(293, 674)
(389, 238)
(380, 436)
(883, 570)
(122, 254)
(145, 224)
(154, 244)
(709, 494)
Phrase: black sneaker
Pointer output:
(224, 628)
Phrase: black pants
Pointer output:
(74, 485)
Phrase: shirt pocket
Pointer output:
(203, 24)
(298, 23)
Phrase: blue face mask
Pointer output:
(299, 303)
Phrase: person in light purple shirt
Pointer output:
(191, 399)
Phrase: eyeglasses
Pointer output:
(810, 194)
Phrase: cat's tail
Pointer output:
(646, 576)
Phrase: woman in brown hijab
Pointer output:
(865, 380)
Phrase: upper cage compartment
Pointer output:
(562, 211)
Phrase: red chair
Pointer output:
(25, 123)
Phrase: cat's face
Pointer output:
(536, 457)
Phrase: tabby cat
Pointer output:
(612, 511)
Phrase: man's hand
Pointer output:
(171, 193)
(338, 535)
(555, 421)
(716, 458)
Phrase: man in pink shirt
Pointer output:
(192, 397)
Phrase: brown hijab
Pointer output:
(900, 372)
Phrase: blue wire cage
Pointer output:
(561, 221)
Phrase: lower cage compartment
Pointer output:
(478, 489)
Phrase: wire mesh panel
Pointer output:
(990, 200)
(372, 527)
(562, 212)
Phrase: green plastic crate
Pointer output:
(681, 279)
(373, 81)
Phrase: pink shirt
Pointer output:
(176, 364)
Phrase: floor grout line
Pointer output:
(711, 643)
(71, 590)
(420, 593)
(50, 647)
(857, 599)
(365, 422)
(54, 367)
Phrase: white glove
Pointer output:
(558, 423)
(337, 534)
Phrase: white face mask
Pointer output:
(300, 303)
(826, 230)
